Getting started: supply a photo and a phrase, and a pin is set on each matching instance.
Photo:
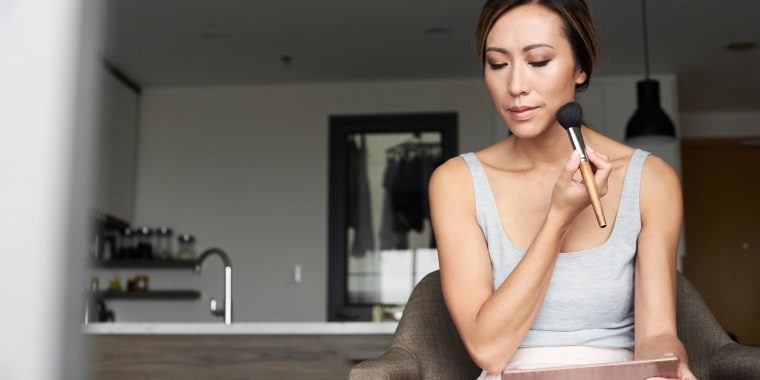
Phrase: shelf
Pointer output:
(179, 294)
(148, 264)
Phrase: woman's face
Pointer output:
(529, 69)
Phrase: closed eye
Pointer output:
(540, 63)
(496, 66)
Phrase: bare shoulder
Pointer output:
(451, 177)
(660, 195)
(452, 205)
(658, 176)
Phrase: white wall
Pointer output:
(245, 169)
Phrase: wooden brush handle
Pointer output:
(593, 192)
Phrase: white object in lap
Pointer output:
(547, 357)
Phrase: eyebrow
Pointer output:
(525, 49)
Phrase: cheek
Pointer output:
(562, 83)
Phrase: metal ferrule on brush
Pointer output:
(575, 136)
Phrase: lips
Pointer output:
(522, 113)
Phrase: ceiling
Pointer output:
(242, 42)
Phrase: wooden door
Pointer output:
(721, 181)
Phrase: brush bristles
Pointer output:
(570, 115)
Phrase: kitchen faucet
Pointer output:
(225, 310)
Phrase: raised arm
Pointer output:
(492, 324)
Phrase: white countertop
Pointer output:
(242, 328)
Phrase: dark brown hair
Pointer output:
(578, 27)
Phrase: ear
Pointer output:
(580, 76)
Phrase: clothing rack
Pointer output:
(359, 140)
(414, 147)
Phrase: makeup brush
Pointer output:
(570, 117)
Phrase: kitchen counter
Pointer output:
(244, 350)
(242, 328)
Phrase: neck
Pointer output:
(551, 148)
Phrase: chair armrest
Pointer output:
(736, 361)
(394, 364)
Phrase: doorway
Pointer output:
(380, 238)
(721, 186)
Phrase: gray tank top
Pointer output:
(590, 297)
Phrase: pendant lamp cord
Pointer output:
(646, 38)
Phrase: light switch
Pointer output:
(297, 274)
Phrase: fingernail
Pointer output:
(576, 154)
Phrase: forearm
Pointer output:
(508, 314)
(658, 346)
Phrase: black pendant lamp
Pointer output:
(649, 122)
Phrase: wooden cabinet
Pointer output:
(231, 357)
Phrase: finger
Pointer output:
(600, 160)
(603, 169)
(572, 165)
(590, 150)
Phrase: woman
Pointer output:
(528, 276)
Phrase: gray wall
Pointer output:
(116, 143)
(245, 169)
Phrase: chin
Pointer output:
(527, 130)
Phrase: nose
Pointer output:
(517, 81)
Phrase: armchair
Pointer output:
(426, 344)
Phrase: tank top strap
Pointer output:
(629, 198)
(629, 214)
(485, 203)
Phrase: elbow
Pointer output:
(492, 358)
(494, 368)
(489, 362)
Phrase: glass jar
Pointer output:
(186, 249)
(163, 247)
(144, 243)
(141, 283)
(127, 244)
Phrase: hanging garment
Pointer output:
(358, 210)
(405, 208)
(391, 237)
(408, 195)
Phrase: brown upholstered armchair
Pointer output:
(427, 346)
